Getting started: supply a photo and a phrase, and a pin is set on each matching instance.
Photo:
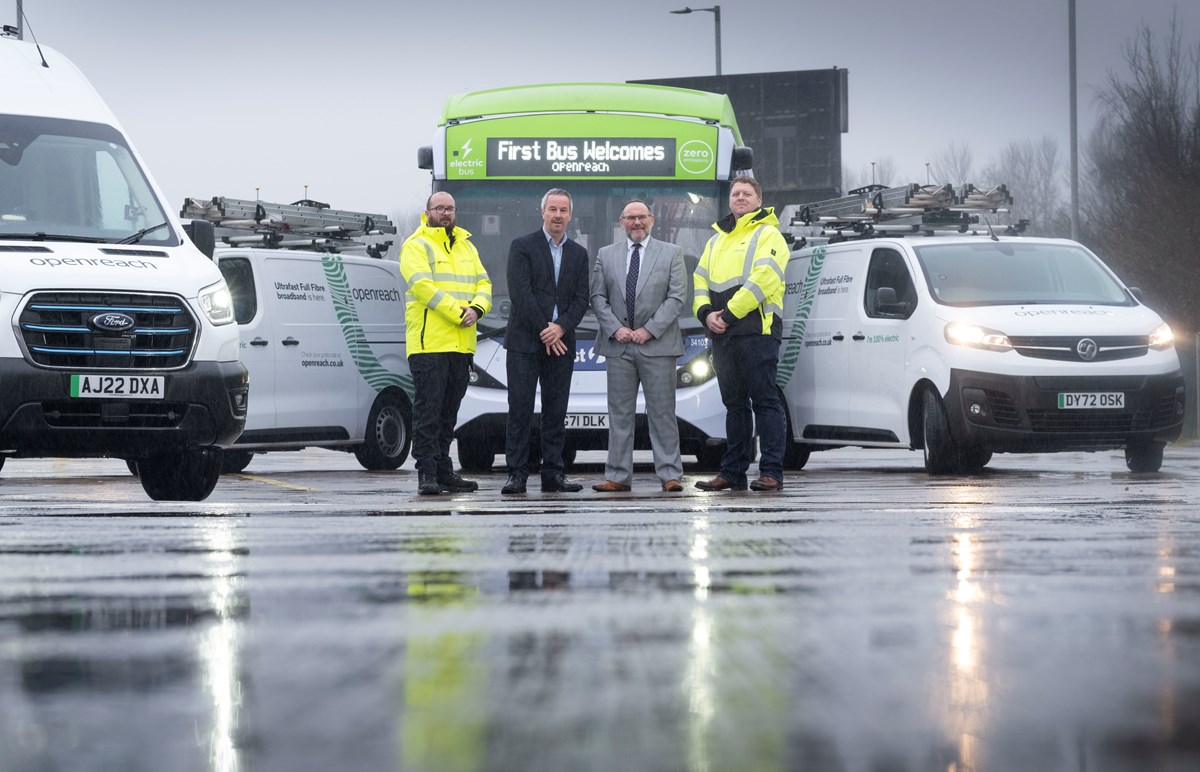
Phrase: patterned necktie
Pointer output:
(631, 278)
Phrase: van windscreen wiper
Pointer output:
(40, 236)
(136, 237)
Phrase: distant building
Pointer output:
(794, 121)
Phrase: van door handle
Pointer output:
(858, 336)
(258, 342)
(839, 336)
(290, 341)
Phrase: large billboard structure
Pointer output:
(794, 121)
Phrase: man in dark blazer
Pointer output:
(548, 289)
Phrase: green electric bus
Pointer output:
(498, 151)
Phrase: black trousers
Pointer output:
(525, 372)
(439, 383)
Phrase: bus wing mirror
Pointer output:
(743, 158)
(425, 157)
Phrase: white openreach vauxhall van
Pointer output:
(968, 344)
(321, 317)
(119, 338)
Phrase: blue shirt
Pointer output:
(556, 257)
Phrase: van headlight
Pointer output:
(974, 336)
(217, 303)
(697, 370)
(1162, 338)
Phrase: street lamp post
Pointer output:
(716, 12)
(1074, 121)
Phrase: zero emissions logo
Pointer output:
(696, 156)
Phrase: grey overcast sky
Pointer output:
(225, 96)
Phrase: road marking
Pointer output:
(280, 483)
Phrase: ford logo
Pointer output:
(1087, 349)
(112, 321)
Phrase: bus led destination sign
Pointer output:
(580, 157)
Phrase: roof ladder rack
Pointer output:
(303, 224)
(876, 210)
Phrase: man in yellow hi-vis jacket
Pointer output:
(448, 291)
(739, 300)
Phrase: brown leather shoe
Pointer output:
(672, 486)
(765, 483)
(610, 486)
(719, 483)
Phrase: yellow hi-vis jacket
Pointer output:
(740, 274)
(444, 277)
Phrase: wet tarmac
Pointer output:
(312, 616)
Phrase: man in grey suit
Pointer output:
(637, 291)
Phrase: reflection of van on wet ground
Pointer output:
(322, 329)
(967, 345)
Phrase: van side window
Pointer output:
(888, 271)
(239, 275)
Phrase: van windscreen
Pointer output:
(77, 181)
(1003, 273)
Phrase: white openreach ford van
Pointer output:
(321, 317)
(967, 345)
(120, 338)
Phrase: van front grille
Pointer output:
(1004, 412)
(1064, 348)
(93, 414)
(60, 330)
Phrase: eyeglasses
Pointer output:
(444, 209)
(636, 217)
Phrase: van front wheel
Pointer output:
(236, 460)
(1144, 456)
(389, 434)
(474, 453)
(188, 475)
(941, 455)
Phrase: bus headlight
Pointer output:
(697, 370)
(217, 303)
(1162, 338)
(480, 378)
(963, 334)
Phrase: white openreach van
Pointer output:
(120, 338)
(967, 344)
(321, 317)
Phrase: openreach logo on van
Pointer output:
(696, 156)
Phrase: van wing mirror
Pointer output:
(1138, 295)
(203, 235)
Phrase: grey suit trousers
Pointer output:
(656, 375)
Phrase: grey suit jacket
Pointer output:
(662, 282)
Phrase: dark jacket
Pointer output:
(533, 293)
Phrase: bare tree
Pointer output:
(1033, 174)
(1143, 181)
(883, 173)
(954, 164)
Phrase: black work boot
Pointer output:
(427, 484)
(453, 482)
